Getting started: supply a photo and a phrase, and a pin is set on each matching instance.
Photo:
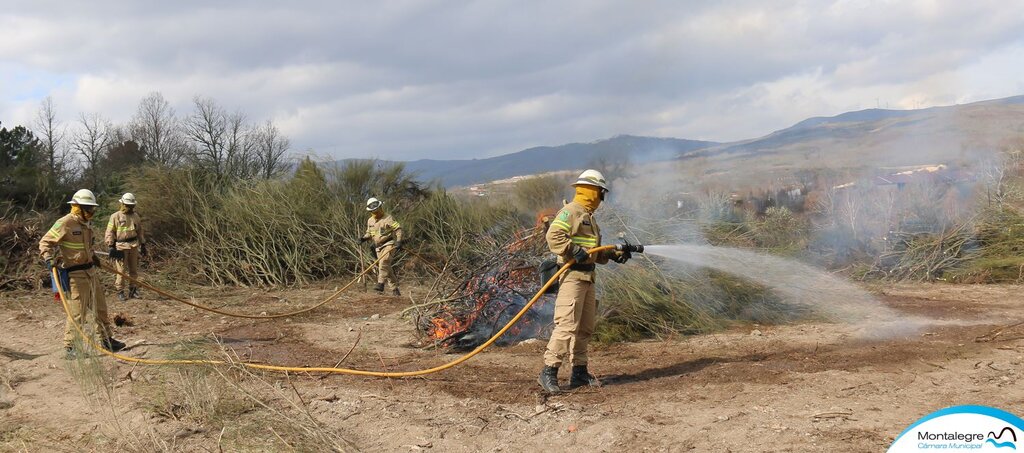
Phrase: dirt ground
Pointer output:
(802, 387)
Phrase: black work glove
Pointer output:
(580, 255)
(49, 263)
(112, 252)
(142, 249)
(622, 257)
(398, 245)
(95, 260)
(364, 239)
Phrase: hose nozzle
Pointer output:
(625, 246)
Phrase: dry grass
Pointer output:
(191, 406)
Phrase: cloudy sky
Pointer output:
(446, 79)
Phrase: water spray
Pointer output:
(801, 284)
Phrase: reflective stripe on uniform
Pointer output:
(562, 225)
(73, 245)
(585, 241)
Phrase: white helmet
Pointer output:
(373, 204)
(592, 178)
(84, 197)
(127, 198)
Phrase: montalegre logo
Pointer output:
(977, 428)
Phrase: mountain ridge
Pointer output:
(876, 136)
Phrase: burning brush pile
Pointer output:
(484, 302)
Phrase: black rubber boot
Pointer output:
(549, 379)
(581, 377)
(396, 293)
(133, 293)
(113, 345)
(379, 288)
(121, 297)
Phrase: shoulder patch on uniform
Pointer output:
(564, 215)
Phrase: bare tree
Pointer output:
(51, 133)
(271, 146)
(223, 142)
(207, 128)
(242, 160)
(157, 130)
(91, 142)
(612, 166)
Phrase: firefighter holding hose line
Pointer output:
(386, 234)
(67, 247)
(571, 234)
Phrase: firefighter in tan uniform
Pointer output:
(572, 232)
(386, 234)
(126, 242)
(67, 246)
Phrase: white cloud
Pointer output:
(440, 79)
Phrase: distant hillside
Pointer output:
(872, 137)
(543, 159)
(881, 137)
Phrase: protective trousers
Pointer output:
(385, 270)
(575, 320)
(87, 305)
(127, 265)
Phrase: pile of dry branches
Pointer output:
(926, 256)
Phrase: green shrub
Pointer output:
(531, 195)
(999, 249)
(307, 226)
(780, 230)
(640, 301)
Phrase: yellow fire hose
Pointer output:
(384, 374)
(241, 315)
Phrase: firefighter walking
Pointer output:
(67, 247)
(126, 242)
(572, 232)
(386, 234)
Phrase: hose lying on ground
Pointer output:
(384, 374)
(241, 315)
